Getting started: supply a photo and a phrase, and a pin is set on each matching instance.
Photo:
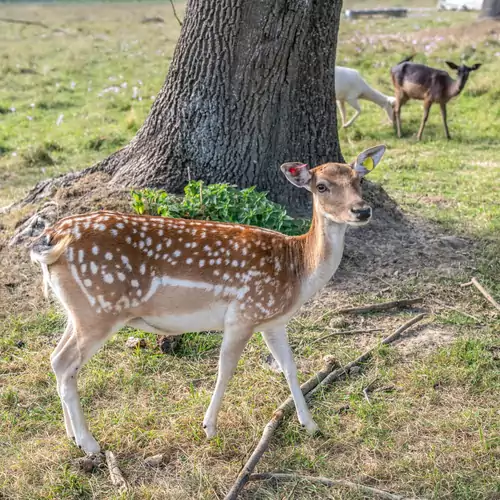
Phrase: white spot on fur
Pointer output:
(87, 283)
(108, 278)
(95, 250)
(94, 267)
(120, 276)
(142, 269)
(108, 256)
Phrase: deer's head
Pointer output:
(336, 187)
(462, 70)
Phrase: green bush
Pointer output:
(218, 202)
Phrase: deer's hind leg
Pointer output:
(67, 360)
(62, 342)
(341, 106)
(355, 104)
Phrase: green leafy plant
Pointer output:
(218, 202)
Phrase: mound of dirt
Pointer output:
(392, 248)
(20, 280)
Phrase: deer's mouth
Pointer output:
(360, 216)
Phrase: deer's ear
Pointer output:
(475, 66)
(452, 65)
(298, 174)
(368, 160)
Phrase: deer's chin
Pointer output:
(358, 223)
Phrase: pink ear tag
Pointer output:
(294, 171)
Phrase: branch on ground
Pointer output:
(22, 21)
(384, 306)
(486, 294)
(114, 471)
(374, 492)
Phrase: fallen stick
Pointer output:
(485, 292)
(379, 307)
(114, 472)
(22, 21)
(367, 389)
(346, 332)
(335, 375)
(375, 492)
(309, 388)
(463, 313)
(178, 20)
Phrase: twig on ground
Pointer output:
(379, 307)
(346, 332)
(175, 13)
(22, 21)
(463, 313)
(375, 492)
(469, 283)
(114, 471)
(367, 389)
(309, 388)
(361, 359)
(486, 294)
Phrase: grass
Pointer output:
(436, 434)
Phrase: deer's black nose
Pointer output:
(362, 214)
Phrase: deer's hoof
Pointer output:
(311, 427)
(89, 445)
(210, 430)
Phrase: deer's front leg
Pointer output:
(277, 342)
(234, 341)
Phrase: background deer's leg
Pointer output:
(401, 100)
(355, 104)
(277, 342)
(427, 107)
(445, 121)
(234, 341)
(341, 106)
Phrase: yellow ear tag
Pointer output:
(368, 164)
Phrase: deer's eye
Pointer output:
(321, 188)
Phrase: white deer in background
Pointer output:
(350, 86)
(170, 276)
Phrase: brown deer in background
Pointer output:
(417, 81)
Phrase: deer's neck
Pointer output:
(458, 85)
(322, 249)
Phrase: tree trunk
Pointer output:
(490, 8)
(251, 86)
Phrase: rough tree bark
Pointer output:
(250, 86)
(490, 8)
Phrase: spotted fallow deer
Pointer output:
(169, 276)
(417, 81)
